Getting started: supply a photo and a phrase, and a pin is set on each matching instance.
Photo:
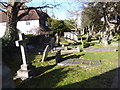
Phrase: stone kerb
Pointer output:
(68, 49)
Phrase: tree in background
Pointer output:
(57, 26)
(12, 9)
(95, 11)
(70, 23)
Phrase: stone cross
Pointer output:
(45, 53)
(25, 71)
(22, 43)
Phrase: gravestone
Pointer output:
(63, 45)
(45, 53)
(58, 56)
(104, 41)
(75, 37)
(78, 49)
(65, 34)
(89, 39)
(66, 48)
(7, 78)
(26, 68)
(52, 41)
(69, 35)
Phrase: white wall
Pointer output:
(2, 28)
(21, 25)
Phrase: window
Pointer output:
(27, 23)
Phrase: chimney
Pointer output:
(45, 11)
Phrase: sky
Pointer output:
(61, 11)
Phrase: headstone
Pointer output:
(63, 45)
(78, 49)
(57, 39)
(89, 39)
(26, 69)
(75, 37)
(66, 48)
(104, 41)
(69, 35)
(45, 53)
(7, 78)
(52, 41)
(65, 34)
(58, 56)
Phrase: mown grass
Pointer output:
(53, 76)
(50, 75)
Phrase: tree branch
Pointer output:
(3, 11)
(30, 8)
(3, 4)
(40, 7)
(23, 14)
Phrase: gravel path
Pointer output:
(99, 49)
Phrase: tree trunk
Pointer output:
(11, 33)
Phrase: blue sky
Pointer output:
(61, 11)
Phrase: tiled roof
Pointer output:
(31, 16)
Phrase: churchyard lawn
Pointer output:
(50, 75)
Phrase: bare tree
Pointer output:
(12, 9)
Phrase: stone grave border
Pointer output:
(60, 62)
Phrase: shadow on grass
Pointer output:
(78, 43)
(46, 80)
(31, 54)
(104, 80)
(53, 57)
(86, 45)
(51, 79)
(72, 56)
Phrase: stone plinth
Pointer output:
(25, 72)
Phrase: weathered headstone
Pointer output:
(57, 39)
(69, 35)
(63, 45)
(52, 41)
(58, 56)
(89, 39)
(78, 49)
(104, 41)
(45, 53)
(75, 37)
(66, 48)
(25, 71)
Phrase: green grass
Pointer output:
(52, 76)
